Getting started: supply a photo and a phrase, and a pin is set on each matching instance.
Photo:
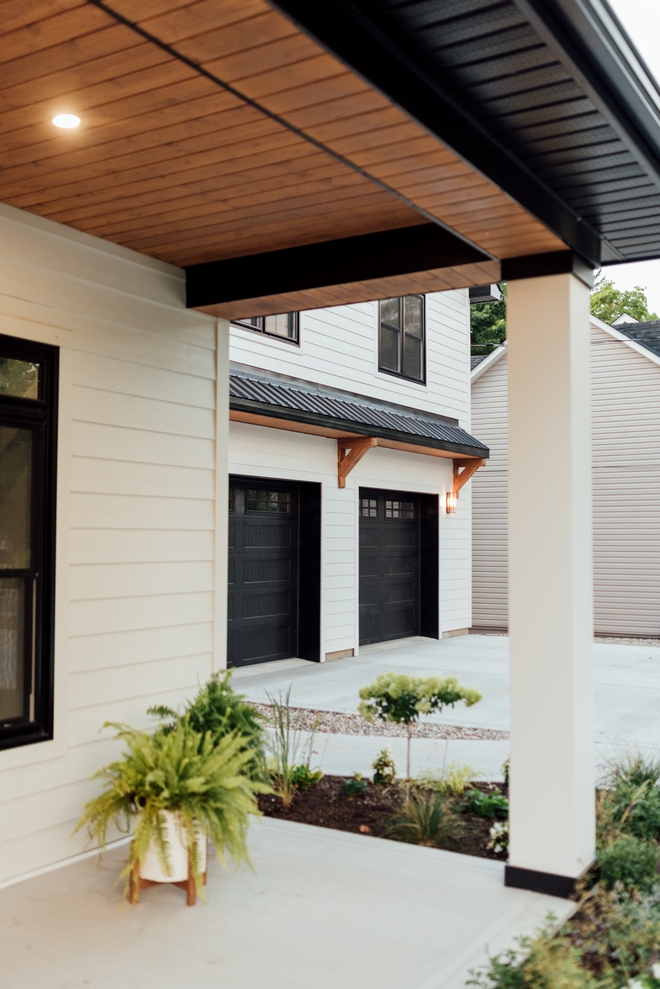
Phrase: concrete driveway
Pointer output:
(627, 696)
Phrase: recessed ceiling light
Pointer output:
(66, 120)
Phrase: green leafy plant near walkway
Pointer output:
(403, 699)
(291, 752)
(613, 939)
(201, 778)
(220, 710)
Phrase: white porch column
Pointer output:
(221, 496)
(550, 583)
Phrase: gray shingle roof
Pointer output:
(475, 360)
(307, 403)
(647, 334)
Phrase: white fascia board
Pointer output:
(614, 332)
(487, 363)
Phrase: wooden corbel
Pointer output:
(463, 471)
(349, 453)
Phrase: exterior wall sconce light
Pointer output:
(463, 471)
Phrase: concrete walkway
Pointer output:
(322, 908)
(627, 697)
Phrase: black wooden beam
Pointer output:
(334, 262)
(350, 34)
(552, 263)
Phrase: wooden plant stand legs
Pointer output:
(136, 883)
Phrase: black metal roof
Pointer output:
(307, 403)
(646, 333)
(548, 98)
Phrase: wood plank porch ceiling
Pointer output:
(171, 163)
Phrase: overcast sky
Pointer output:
(641, 18)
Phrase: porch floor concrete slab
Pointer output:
(322, 908)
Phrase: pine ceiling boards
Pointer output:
(292, 155)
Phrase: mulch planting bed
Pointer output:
(326, 806)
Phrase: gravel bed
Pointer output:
(332, 723)
(617, 640)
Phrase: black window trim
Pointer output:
(271, 336)
(399, 374)
(40, 606)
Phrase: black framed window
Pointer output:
(402, 344)
(28, 403)
(284, 325)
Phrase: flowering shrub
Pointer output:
(384, 768)
(403, 699)
(499, 838)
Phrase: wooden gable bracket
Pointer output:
(349, 453)
(463, 471)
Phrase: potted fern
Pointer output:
(179, 788)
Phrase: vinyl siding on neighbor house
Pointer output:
(136, 510)
(626, 482)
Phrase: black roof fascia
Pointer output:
(328, 422)
(334, 262)
(608, 66)
(352, 36)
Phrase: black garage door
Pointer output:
(390, 598)
(263, 571)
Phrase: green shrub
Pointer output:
(403, 699)
(291, 752)
(451, 781)
(545, 962)
(219, 709)
(354, 786)
(630, 861)
(303, 778)
(633, 768)
(424, 819)
(486, 804)
(200, 777)
(384, 768)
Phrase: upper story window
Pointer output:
(402, 338)
(285, 325)
(28, 386)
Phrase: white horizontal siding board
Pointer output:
(119, 580)
(124, 377)
(116, 649)
(139, 445)
(94, 406)
(148, 611)
(142, 546)
(107, 511)
(139, 679)
(91, 475)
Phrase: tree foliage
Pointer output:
(608, 302)
(488, 324)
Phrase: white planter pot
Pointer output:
(178, 854)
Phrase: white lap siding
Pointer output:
(135, 551)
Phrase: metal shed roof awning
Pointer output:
(305, 408)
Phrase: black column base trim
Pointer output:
(541, 882)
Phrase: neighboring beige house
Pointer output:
(625, 366)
